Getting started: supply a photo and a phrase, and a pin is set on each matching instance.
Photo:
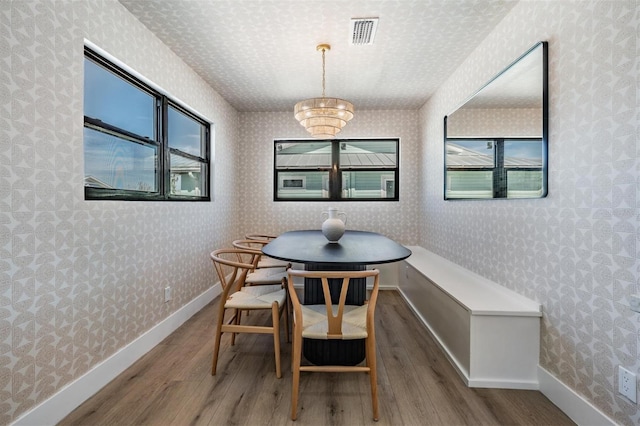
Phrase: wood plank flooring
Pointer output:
(172, 384)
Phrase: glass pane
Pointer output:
(112, 162)
(469, 184)
(187, 176)
(524, 183)
(369, 154)
(523, 153)
(470, 153)
(303, 185)
(368, 185)
(303, 155)
(185, 133)
(117, 102)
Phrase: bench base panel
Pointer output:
(499, 350)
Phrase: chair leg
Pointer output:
(287, 318)
(237, 316)
(275, 318)
(370, 350)
(296, 355)
(216, 348)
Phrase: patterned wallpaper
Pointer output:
(397, 220)
(81, 279)
(576, 251)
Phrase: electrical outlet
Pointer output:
(167, 294)
(634, 302)
(627, 383)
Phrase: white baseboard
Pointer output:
(75, 393)
(573, 405)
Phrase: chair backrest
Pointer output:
(263, 237)
(253, 246)
(232, 266)
(249, 244)
(335, 310)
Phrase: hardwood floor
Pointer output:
(172, 384)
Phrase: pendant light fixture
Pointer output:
(323, 117)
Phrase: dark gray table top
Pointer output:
(355, 248)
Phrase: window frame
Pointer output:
(335, 171)
(160, 141)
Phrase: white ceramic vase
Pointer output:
(334, 224)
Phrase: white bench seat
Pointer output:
(490, 333)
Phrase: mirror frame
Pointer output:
(545, 124)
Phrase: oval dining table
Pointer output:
(354, 251)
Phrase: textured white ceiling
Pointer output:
(260, 55)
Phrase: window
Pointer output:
(138, 143)
(494, 168)
(348, 170)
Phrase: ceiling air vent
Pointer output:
(363, 30)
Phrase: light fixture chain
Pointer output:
(323, 78)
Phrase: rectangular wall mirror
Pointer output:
(496, 142)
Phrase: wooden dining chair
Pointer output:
(236, 297)
(334, 320)
(266, 261)
(262, 261)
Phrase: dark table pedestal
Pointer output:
(334, 352)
